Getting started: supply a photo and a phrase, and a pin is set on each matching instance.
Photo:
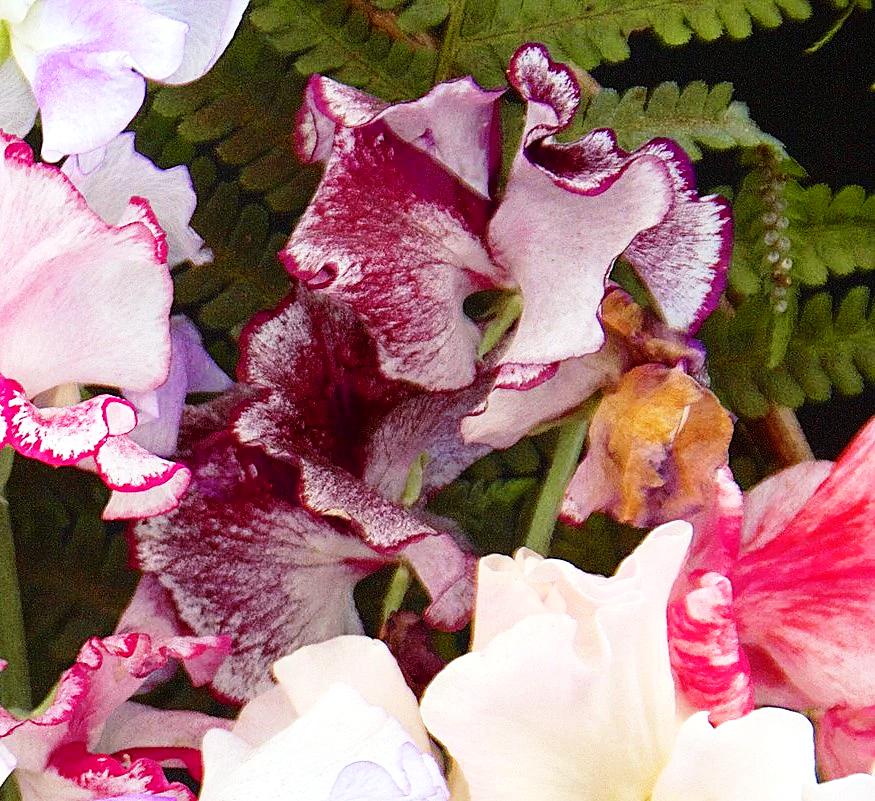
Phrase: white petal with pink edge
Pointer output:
(83, 302)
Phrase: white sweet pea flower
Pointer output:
(84, 63)
(341, 725)
(568, 695)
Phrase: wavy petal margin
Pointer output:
(397, 238)
(571, 209)
(52, 748)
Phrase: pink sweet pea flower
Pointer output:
(84, 63)
(403, 227)
(91, 742)
(777, 602)
(85, 303)
(567, 695)
(340, 725)
(297, 477)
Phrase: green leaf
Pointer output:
(422, 15)
(78, 581)
(482, 34)
(697, 117)
(233, 128)
(364, 44)
(821, 234)
(826, 350)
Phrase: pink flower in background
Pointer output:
(567, 695)
(84, 302)
(91, 742)
(777, 602)
(403, 225)
(83, 64)
(340, 725)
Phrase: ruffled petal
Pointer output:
(18, 106)
(191, 370)
(323, 397)
(570, 209)
(709, 664)
(804, 598)
(397, 238)
(604, 723)
(123, 173)
(83, 302)
(846, 741)
(342, 749)
(107, 672)
(211, 26)
(142, 484)
(361, 663)
(655, 445)
(768, 754)
(80, 58)
(66, 435)
(456, 124)
(239, 558)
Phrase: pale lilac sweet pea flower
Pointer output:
(403, 226)
(84, 303)
(567, 695)
(83, 64)
(341, 725)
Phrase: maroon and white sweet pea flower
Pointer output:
(777, 602)
(84, 302)
(92, 743)
(403, 226)
(297, 475)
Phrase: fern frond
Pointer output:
(696, 117)
(233, 127)
(826, 350)
(361, 43)
(819, 232)
(591, 33)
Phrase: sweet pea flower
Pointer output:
(567, 695)
(340, 725)
(776, 604)
(298, 473)
(404, 224)
(83, 64)
(92, 743)
(86, 302)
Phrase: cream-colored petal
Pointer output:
(767, 755)
(358, 662)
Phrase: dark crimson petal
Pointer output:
(397, 238)
(239, 556)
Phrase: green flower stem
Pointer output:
(14, 681)
(402, 577)
(569, 444)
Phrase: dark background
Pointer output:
(818, 105)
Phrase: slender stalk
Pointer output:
(444, 67)
(569, 444)
(14, 681)
(785, 438)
